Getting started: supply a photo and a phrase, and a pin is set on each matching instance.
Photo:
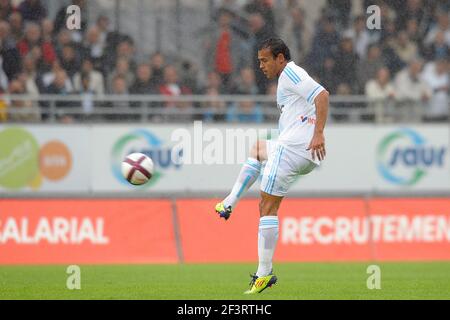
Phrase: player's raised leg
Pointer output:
(247, 176)
(267, 242)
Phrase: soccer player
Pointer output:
(303, 106)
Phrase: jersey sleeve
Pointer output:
(303, 85)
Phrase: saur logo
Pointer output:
(405, 157)
(145, 142)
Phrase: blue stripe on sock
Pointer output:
(247, 179)
(254, 162)
(252, 166)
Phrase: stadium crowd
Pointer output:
(406, 61)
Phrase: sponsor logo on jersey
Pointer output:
(308, 120)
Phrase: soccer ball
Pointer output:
(137, 168)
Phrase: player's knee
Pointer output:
(257, 150)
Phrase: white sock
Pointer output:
(267, 241)
(247, 176)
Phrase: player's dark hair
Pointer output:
(276, 46)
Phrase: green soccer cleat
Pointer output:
(222, 211)
(259, 284)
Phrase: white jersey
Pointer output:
(296, 92)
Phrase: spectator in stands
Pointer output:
(245, 83)
(294, 33)
(33, 41)
(69, 60)
(188, 76)
(87, 94)
(368, 67)
(94, 47)
(380, 87)
(122, 70)
(390, 57)
(381, 91)
(125, 49)
(6, 9)
(64, 38)
(47, 78)
(438, 49)
(21, 110)
(16, 23)
(172, 88)
(259, 31)
(61, 84)
(4, 81)
(327, 75)
(157, 63)
(324, 43)
(47, 28)
(225, 52)
(405, 49)
(215, 109)
(442, 26)
(120, 88)
(360, 36)
(347, 60)
(344, 109)
(436, 76)
(32, 10)
(388, 31)
(30, 75)
(263, 8)
(245, 111)
(411, 90)
(102, 25)
(95, 78)
(341, 9)
(7, 41)
(412, 9)
(412, 29)
(213, 81)
(144, 83)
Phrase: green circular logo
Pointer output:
(19, 162)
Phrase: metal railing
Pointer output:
(222, 108)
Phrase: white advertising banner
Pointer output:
(44, 158)
(412, 158)
(206, 158)
(206, 162)
(360, 158)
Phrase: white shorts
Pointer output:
(282, 167)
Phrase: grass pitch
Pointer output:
(297, 281)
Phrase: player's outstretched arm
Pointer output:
(317, 145)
